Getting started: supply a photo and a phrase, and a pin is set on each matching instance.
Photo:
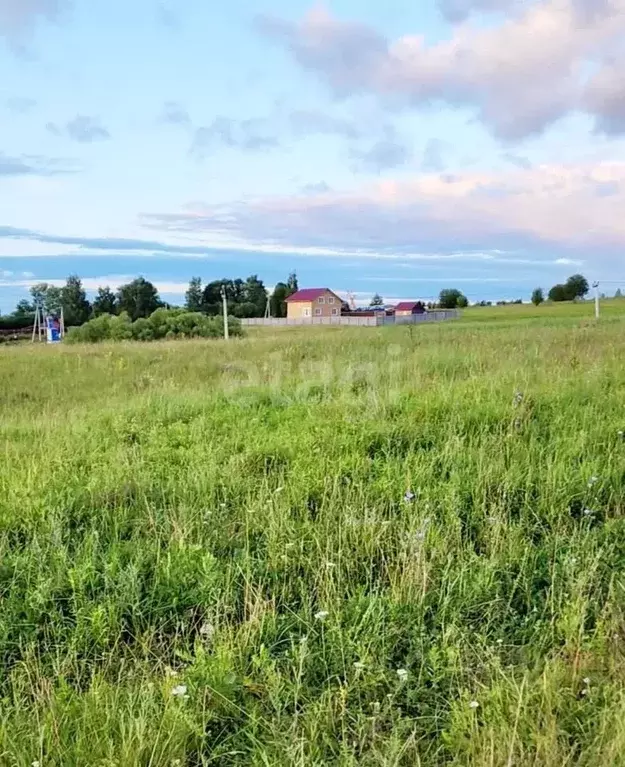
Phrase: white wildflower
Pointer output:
(36, 763)
(474, 704)
(402, 674)
(586, 680)
(359, 666)
(180, 691)
(588, 512)
(321, 615)
(585, 691)
(500, 641)
(593, 481)
(409, 496)
(207, 630)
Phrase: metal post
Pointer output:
(225, 303)
(596, 287)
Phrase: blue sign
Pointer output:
(53, 327)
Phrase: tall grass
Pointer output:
(211, 554)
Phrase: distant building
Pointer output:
(406, 308)
(313, 302)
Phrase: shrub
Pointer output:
(162, 323)
(17, 321)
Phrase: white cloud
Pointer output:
(519, 75)
(540, 210)
(166, 287)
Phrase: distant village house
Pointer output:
(313, 302)
(407, 308)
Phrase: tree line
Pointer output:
(139, 299)
(574, 288)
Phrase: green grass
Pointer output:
(231, 519)
(559, 312)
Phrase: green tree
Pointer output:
(48, 297)
(463, 302)
(559, 293)
(278, 300)
(24, 308)
(377, 300)
(292, 283)
(139, 298)
(211, 296)
(577, 286)
(618, 293)
(538, 297)
(76, 307)
(254, 297)
(449, 298)
(193, 296)
(105, 302)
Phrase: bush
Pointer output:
(162, 323)
(17, 321)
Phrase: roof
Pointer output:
(309, 294)
(407, 306)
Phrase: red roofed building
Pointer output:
(313, 302)
(406, 308)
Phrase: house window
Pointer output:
(307, 312)
(317, 312)
(321, 300)
(330, 300)
(335, 312)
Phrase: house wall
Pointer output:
(296, 309)
(409, 312)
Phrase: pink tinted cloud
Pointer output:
(543, 209)
(519, 75)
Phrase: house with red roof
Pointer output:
(407, 308)
(313, 302)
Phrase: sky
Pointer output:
(398, 147)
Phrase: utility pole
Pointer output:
(596, 287)
(225, 302)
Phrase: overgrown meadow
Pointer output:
(340, 546)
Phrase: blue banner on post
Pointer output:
(53, 330)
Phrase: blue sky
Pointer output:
(396, 147)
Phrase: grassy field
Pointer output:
(339, 546)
